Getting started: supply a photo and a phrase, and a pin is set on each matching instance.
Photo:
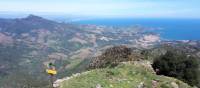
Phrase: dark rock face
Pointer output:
(113, 56)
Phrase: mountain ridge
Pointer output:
(113, 78)
(113, 58)
(28, 44)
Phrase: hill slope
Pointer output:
(126, 75)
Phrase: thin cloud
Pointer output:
(120, 8)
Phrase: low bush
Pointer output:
(179, 65)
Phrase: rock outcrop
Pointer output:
(113, 56)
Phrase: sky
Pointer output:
(107, 8)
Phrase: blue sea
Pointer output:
(172, 29)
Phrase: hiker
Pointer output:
(52, 72)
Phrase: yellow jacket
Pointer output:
(51, 72)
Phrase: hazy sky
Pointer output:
(108, 8)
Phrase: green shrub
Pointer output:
(178, 65)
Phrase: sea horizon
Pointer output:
(171, 29)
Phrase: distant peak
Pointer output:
(32, 17)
